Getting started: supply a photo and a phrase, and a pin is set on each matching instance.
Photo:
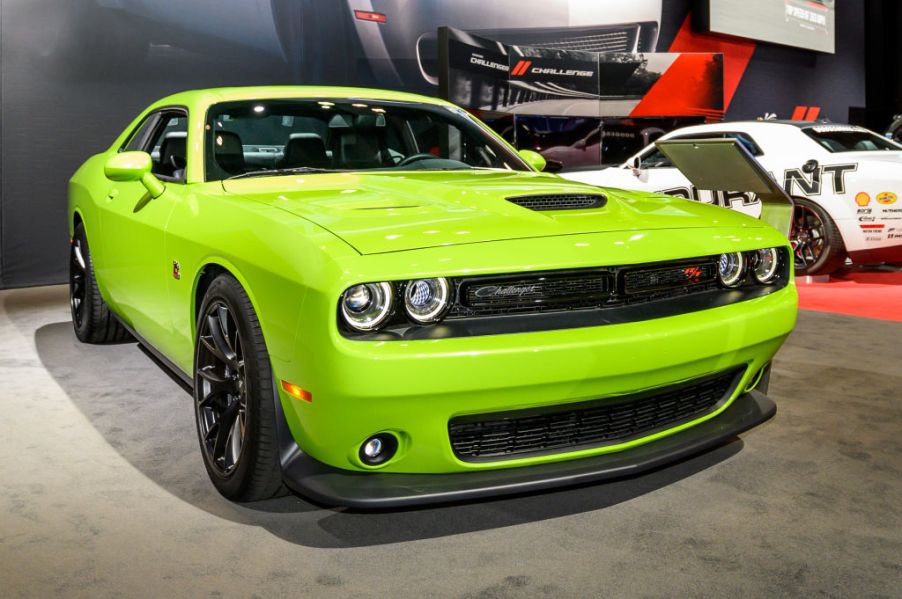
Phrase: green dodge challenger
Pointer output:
(378, 302)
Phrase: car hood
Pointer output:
(390, 212)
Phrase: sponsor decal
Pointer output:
(864, 211)
(866, 219)
(878, 226)
(862, 198)
(886, 197)
(176, 270)
(813, 184)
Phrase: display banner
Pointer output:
(489, 75)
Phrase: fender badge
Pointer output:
(862, 198)
(176, 270)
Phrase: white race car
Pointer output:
(845, 182)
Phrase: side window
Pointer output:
(136, 141)
(654, 159)
(168, 146)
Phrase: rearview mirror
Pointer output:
(533, 159)
(134, 166)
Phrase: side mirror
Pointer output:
(533, 159)
(810, 166)
(553, 166)
(637, 164)
(134, 166)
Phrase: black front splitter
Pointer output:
(377, 490)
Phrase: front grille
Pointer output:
(504, 295)
(560, 201)
(507, 435)
(655, 279)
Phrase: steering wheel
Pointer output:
(415, 158)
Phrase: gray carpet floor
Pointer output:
(103, 494)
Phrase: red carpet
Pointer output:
(867, 293)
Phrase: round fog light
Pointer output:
(378, 449)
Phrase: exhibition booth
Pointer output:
(571, 298)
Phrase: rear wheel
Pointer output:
(816, 241)
(234, 397)
(91, 317)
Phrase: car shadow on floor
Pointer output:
(148, 419)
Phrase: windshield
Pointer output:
(269, 137)
(845, 139)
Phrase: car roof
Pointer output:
(202, 98)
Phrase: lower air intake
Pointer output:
(522, 433)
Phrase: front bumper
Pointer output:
(378, 490)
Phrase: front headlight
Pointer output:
(425, 300)
(365, 307)
(731, 269)
(767, 265)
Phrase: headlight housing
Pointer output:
(365, 307)
(731, 269)
(426, 300)
(767, 266)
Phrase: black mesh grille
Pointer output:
(558, 201)
(503, 435)
(653, 279)
(503, 295)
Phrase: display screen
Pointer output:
(802, 23)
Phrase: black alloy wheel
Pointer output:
(221, 383)
(816, 241)
(235, 396)
(77, 288)
(92, 319)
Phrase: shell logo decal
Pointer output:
(886, 197)
(862, 198)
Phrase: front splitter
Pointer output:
(364, 490)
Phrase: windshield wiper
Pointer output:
(275, 172)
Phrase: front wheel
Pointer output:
(234, 397)
(817, 244)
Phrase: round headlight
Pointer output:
(731, 268)
(767, 263)
(426, 299)
(365, 307)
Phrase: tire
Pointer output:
(817, 243)
(92, 319)
(234, 397)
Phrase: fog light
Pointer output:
(378, 449)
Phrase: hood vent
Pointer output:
(560, 201)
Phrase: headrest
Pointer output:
(228, 143)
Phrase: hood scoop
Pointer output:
(560, 201)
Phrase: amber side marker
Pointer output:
(296, 392)
(375, 17)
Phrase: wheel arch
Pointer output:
(205, 275)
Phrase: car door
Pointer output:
(133, 266)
